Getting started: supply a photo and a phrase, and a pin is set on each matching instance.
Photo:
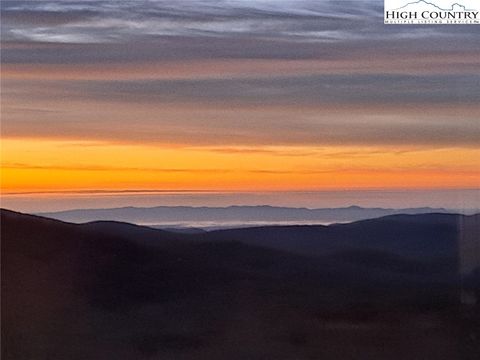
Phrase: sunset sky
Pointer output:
(240, 96)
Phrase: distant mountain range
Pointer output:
(108, 289)
(232, 216)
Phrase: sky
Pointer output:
(232, 97)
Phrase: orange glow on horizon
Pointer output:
(49, 165)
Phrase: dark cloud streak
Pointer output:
(288, 90)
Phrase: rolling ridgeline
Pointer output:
(241, 215)
(382, 288)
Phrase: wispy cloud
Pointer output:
(212, 29)
(50, 21)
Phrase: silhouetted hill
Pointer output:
(116, 290)
(414, 236)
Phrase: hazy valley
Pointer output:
(212, 218)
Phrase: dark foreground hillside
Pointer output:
(387, 288)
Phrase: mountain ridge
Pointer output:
(203, 217)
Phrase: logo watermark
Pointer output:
(432, 12)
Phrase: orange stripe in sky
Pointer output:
(29, 164)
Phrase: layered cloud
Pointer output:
(236, 78)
